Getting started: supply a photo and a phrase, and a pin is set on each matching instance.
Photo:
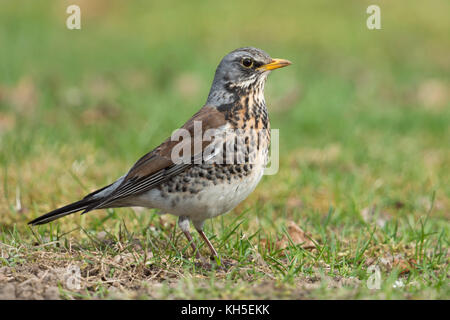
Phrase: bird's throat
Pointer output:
(247, 109)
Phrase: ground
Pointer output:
(360, 205)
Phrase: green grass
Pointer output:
(364, 148)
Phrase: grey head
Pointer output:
(239, 71)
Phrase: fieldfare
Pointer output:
(201, 178)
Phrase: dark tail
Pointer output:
(63, 211)
(88, 203)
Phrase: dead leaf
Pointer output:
(369, 261)
(399, 261)
(297, 235)
(294, 202)
(7, 122)
(404, 265)
(100, 87)
(102, 112)
(23, 97)
(433, 94)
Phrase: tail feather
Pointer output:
(63, 211)
(89, 202)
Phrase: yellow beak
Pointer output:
(275, 64)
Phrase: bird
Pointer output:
(189, 178)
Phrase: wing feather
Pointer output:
(157, 166)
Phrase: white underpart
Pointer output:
(209, 202)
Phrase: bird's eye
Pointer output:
(247, 62)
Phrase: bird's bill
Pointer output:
(275, 64)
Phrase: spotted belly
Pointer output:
(210, 189)
(204, 191)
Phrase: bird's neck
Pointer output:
(244, 106)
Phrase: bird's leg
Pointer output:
(198, 224)
(205, 238)
(183, 223)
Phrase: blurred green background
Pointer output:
(366, 105)
(363, 114)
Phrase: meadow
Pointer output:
(359, 208)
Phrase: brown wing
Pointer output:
(157, 166)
